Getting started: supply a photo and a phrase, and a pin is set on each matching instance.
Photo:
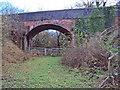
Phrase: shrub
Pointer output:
(35, 53)
(91, 55)
(77, 57)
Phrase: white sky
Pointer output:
(36, 5)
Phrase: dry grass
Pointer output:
(35, 53)
(12, 54)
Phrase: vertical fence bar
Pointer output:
(45, 52)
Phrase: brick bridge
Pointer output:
(61, 20)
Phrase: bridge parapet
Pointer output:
(58, 14)
(55, 14)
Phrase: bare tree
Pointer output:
(8, 8)
(90, 3)
(58, 34)
(104, 2)
(100, 2)
(118, 3)
(10, 22)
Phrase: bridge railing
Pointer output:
(49, 51)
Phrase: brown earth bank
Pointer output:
(12, 54)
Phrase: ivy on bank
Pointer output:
(100, 18)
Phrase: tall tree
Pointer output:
(8, 8)
(10, 22)
(49, 39)
(58, 34)
(90, 3)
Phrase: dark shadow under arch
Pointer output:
(41, 28)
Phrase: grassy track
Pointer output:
(45, 72)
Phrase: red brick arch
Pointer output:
(35, 29)
(43, 27)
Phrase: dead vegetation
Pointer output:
(11, 54)
(91, 55)
(35, 53)
(99, 53)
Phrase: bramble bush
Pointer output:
(91, 55)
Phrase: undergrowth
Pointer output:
(47, 72)
(95, 54)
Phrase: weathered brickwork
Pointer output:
(34, 27)
(66, 23)
(61, 20)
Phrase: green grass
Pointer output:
(46, 72)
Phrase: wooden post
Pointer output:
(109, 67)
(109, 59)
(45, 52)
(108, 70)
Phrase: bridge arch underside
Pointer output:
(41, 28)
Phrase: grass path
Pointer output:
(45, 72)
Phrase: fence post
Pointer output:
(45, 52)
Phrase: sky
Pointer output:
(37, 5)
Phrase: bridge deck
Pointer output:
(55, 14)
(58, 14)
